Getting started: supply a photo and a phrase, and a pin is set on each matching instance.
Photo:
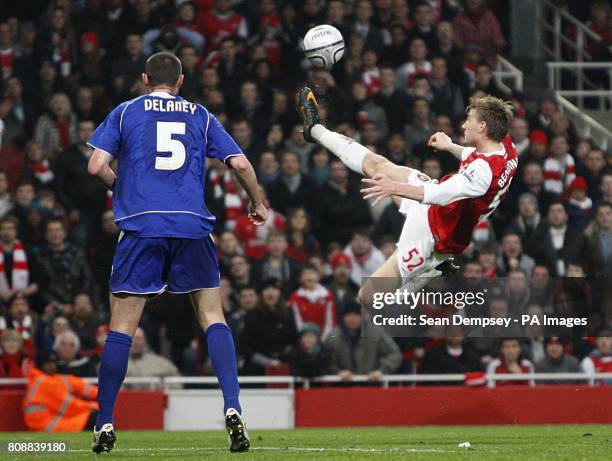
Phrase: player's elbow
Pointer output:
(239, 163)
(94, 167)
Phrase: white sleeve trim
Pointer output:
(473, 182)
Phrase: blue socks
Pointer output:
(113, 368)
(223, 357)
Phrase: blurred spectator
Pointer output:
(365, 257)
(16, 112)
(361, 349)
(510, 361)
(556, 361)
(343, 289)
(83, 322)
(454, 356)
(309, 357)
(17, 264)
(363, 26)
(20, 319)
(532, 180)
(48, 327)
(484, 81)
(600, 359)
(37, 167)
(67, 346)
(547, 107)
(292, 188)
(269, 332)
(220, 22)
(593, 171)
(254, 237)
(512, 256)
(13, 357)
(555, 244)
(301, 243)
(339, 207)
(312, 302)
(423, 28)
(579, 205)
(394, 101)
(538, 147)
(268, 168)
(365, 110)
(143, 362)
(417, 65)
(228, 246)
(57, 130)
(240, 271)
(533, 345)
(64, 269)
(420, 129)
(128, 69)
(6, 199)
(102, 249)
(25, 195)
(296, 143)
(447, 95)
(248, 299)
(86, 107)
(559, 167)
(57, 402)
(599, 239)
(83, 198)
(519, 132)
(276, 264)
(528, 219)
(477, 25)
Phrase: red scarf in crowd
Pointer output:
(64, 132)
(42, 171)
(21, 270)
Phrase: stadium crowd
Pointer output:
(288, 288)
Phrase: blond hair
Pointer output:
(496, 113)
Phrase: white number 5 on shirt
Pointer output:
(165, 143)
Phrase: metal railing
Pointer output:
(551, 20)
(586, 124)
(291, 381)
(508, 76)
(604, 95)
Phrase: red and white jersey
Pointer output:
(461, 200)
(497, 366)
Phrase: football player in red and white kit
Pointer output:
(440, 216)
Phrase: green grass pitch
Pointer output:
(567, 442)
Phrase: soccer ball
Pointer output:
(324, 46)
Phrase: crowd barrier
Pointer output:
(284, 402)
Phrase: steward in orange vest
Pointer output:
(58, 403)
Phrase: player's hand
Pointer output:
(258, 214)
(381, 186)
(440, 141)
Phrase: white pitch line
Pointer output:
(297, 449)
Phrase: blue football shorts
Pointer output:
(151, 265)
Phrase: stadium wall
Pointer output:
(336, 407)
(136, 409)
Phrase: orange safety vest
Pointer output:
(58, 403)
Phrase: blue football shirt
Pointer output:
(161, 142)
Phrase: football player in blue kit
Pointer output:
(161, 142)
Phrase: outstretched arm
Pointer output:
(99, 166)
(441, 141)
(473, 182)
(247, 178)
